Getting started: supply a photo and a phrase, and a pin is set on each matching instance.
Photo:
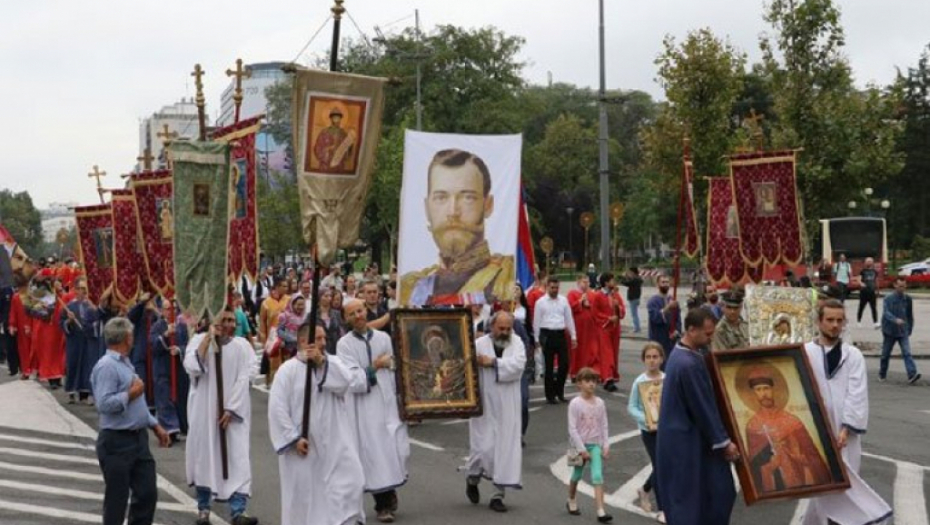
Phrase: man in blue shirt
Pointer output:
(123, 443)
(897, 325)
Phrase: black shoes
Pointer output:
(604, 518)
(552, 402)
(573, 511)
(497, 505)
(563, 400)
(611, 386)
(242, 519)
(913, 379)
(472, 492)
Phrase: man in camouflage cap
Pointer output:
(732, 330)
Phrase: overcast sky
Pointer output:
(78, 76)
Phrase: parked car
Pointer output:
(915, 268)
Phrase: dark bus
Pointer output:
(857, 238)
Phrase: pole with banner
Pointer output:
(587, 220)
(616, 215)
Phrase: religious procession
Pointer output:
(350, 294)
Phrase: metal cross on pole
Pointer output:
(166, 136)
(97, 174)
(239, 73)
(146, 159)
(200, 100)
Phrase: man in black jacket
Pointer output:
(634, 291)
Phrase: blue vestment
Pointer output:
(172, 415)
(660, 324)
(82, 344)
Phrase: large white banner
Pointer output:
(458, 218)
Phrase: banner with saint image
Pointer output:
(155, 216)
(725, 265)
(95, 233)
(460, 205)
(127, 262)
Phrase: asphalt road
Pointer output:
(48, 474)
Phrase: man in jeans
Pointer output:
(843, 272)
(123, 442)
(634, 291)
(897, 325)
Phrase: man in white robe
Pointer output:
(496, 452)
(841, 377)
(202, 454)
(383, 443)
(322, 480)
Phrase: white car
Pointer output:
(915, 268)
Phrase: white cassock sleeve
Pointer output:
(343, 376)
(237, 399)
(856, 403)
(509, 368)
(194, 366)
(347, 350)
(283, 428)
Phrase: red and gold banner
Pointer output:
(692, 244)
(95, 234)
(155, 222)
(128, 263)
(243, 215)
(725, 265)
(765, 193)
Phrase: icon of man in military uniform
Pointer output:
(458, 200)
(732, 330)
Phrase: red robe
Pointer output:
(22, 323)
(588, 352)
(605, 307)
(48, 345)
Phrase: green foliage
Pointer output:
(21, 218)
(920, 248)
(280, 229)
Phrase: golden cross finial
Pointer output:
(146, 159)
(166, 136)
(338, 9)
(97, 174)
(239, 73)
(754, 123)
(201, 101)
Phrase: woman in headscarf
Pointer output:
(330, 319)
(289, 322)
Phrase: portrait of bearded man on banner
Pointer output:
(458, 202)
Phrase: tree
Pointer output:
(21, 218)
(847, 136)
(279, 217)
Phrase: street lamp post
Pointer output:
(571, 248)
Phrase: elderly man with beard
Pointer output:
(494, 437)
(457, 203)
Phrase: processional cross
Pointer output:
(97, 174)
(166, 136)
(146, 159)
(239, 73)
(754, 123)
(200, 100)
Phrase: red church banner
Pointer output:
(765, 193)
(95, 235)
(155, 222)
(725, 265)
(128, 263)
(243, 215)
(692, 243)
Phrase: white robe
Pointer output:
(324, 487)
(496, 452)
(383, 443)
(202, 453)
(846, 399)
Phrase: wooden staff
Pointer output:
(172, 319)
(314, 312)
(224, 452)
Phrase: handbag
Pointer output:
(573, 457)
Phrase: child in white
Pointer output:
(587, 431)
(653, 355)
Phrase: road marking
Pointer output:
(50, 472)
(540, 399)
(626, 496)
(78, 494)
(799, 512)
(909, 505)
(897, 462)
(427, 446)
(51, 512)
(45, 442)
(44, 455)
(534, 409)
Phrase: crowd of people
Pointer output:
(146, 365)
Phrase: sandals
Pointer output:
(574, 512)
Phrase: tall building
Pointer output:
(58, 216)
(180, 118)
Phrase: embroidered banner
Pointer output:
(155, 219)
(725, 265)
(95, 232)
(692, 244)
(765, 194)
(201, 228)
(243, 219)
(337, 126)
(128, 258)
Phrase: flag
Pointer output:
(765, 194)
(337, 126)
(95, 232)
(243, 219)
(155, 218)
(526, 262)
(127, 260)
(201, 225)
(725, 265)
(692, 243)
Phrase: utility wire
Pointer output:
(359, 29)
(399, 20)
(312, 38)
